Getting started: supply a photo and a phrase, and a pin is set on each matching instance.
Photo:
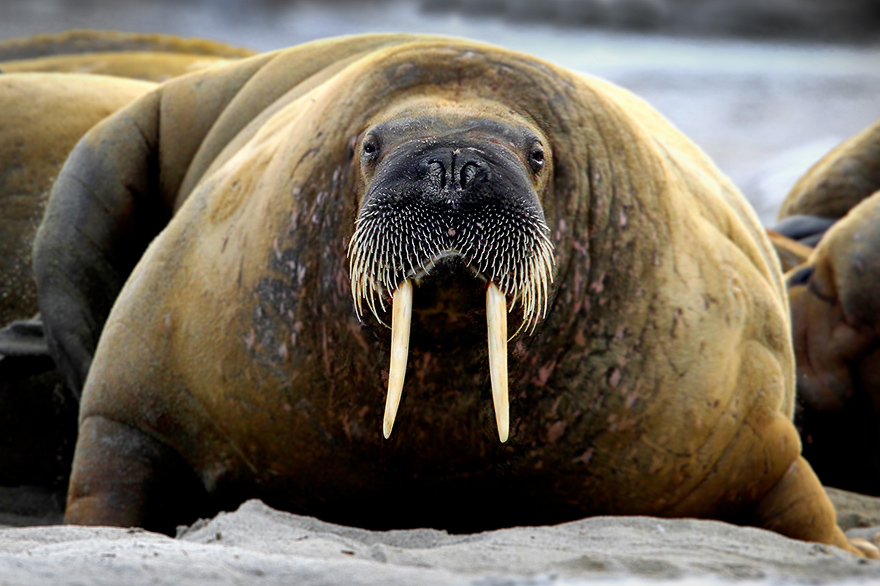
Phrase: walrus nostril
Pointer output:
(467, 174)
(436, 174)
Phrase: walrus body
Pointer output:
(138, 56)
(832, 286)
(53, 89)
(47, 103)
(42, 116)
(655, 375)
(840, 180)
(835, 300)
(835, 305)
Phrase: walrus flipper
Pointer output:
(158, 490)
(798, 507)
(103, 211)
(805, 228)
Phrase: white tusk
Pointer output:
(496, 316)
(401, 317)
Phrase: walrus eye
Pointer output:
(536, 158)
(370, 148)
(801, 277)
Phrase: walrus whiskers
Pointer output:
(526, 280)
(451, 196)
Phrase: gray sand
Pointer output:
(258, 545)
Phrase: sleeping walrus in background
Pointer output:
(42, 116)
(149, 57)
(459, 193)
(830, 189)
(835, 305)
(47, 103)
(834, 298)
(839, 181)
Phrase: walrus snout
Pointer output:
(469, 192)
(464, 188)
(452, 170)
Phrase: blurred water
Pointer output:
(764, 111)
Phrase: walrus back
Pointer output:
(95, 41)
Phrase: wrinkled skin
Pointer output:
(835, 304)
(233, 363)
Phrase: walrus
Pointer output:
(47, 104)
(838, 181)
(833, 330)
(263, 224)
(827, 192)
(834, 301)
(42, 116)
(148, 57)
(835, 305)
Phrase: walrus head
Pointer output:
(452, 191)
(834, 308)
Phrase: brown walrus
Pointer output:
(42, 116)
(835, 306)
(47, 103)
(834, 333)
(149, 57)
(424, 182)
(838, 181)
